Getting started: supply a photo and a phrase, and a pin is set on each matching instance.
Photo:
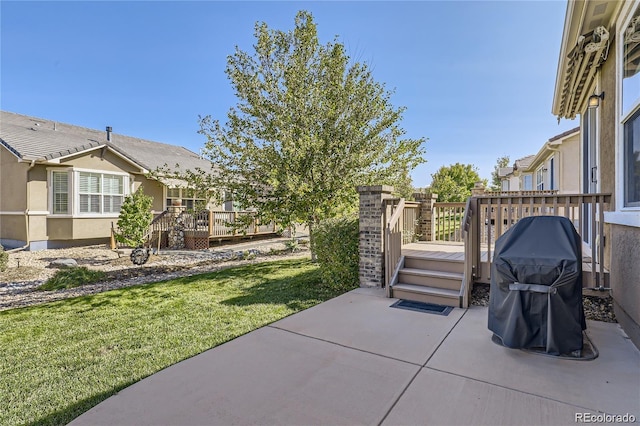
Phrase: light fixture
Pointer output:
(594, 100)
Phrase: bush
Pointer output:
(4, 259)
(72, 277)
(336, 247)
(135, 218)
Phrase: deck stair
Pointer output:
(427, 277)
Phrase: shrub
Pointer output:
(72, 277)
(135, 218)
(4, 259)
(336, 247)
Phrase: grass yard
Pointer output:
(60, 359)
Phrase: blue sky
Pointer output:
(477, 77)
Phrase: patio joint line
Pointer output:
(514, 389)
(393, 405)
(347, 347)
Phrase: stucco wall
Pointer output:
(13, 228)
(95, 160)
(569, 161)
(13, 177)
(152, 188)
(608, 122)
(625, 278)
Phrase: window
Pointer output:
(505, 185)
(631, 65)
(527, 183)
(60, 185)
(631, 119)
(632, 161)
(552, 173)
(76, 192)
(100, 193)
(190, 199)
(540, 179)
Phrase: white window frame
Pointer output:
(74, 192)
(623, 215)
(540, 178)
(181, 196)
(523, 185)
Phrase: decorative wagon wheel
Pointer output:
(139, 256)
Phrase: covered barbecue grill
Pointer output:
(536, 286)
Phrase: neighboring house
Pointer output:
(517, 177)
(599, 80)
(556, 167)
(63, 185)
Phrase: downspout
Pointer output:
(26, 214)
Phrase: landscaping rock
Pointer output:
(63, 263)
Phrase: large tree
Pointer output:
(309, 126)
(454, 183)
(496, 181)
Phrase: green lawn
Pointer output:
(60, 359)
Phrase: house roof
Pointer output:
(565, 134)
(45, 141)
(523, 163)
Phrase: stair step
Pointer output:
(418, 293)
(445, 265)
(430, 278)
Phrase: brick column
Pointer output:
(478, 189)
(371, 246)
(426, 225)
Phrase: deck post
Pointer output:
(371, 240)
(426, 223)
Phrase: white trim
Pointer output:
(124, 157)
(74, 193)
(12, 213)
(622, 216)
(626, 218)
(38, 213)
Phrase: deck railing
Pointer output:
(493, 215)
(393, 240)
(447, 218)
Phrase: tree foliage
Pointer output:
(134, 219)
(309, 126)
(454, 183)
(496, 182)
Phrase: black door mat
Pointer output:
(589, 351)
(430, 308)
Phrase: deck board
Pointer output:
(455, 251)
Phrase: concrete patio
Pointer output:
(354, 360)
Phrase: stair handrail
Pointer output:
(393, 244)
(470, 251)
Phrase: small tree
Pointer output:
(454, 183)
(496, 182)
(135, 218)
(309, 126)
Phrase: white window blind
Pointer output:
(60, 192)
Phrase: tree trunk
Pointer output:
(312, 242)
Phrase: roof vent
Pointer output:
(109, 133)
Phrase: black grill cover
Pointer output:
(536, 286)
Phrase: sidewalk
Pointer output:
(354, 360)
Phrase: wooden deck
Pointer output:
(438, 250)
(455, 251)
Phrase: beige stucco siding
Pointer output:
(13, 180)
(97, 160)
(608, 123)
(569, 161)
(13, 227)
(151, 188)
(37, 189)
(625, 277)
